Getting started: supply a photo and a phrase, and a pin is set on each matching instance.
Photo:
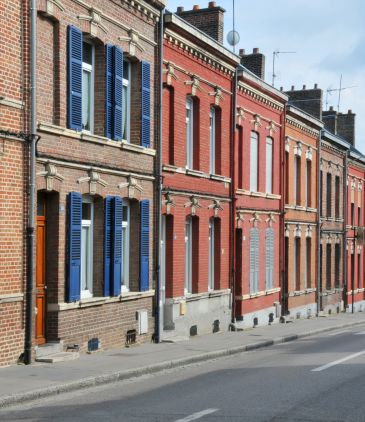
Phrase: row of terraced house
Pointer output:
(153, 186)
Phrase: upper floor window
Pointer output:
(329, 195)
(88, 54)
(269, 164)
(337, 197)
(126, 100)
(309, 183)
(189, 120)
(212, 139)
(297, 184)
(254, 155)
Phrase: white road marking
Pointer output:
(338, 332)
(337, 362)
(361, 333)
(197, 415)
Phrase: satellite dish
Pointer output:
(233, 38)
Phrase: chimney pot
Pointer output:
(256, 51)
(315, 86)
(242, 52)
(281, 89)
(196, 7)
(292, 87)
(304, 87)
(212, 4)
(180, 9)
(350, 111)
(331, 108)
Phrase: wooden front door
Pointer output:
(40, 324)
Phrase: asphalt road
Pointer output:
(319, 378)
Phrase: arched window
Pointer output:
(254, 165)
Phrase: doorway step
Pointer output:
(53, 353)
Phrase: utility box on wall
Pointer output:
(142, 317)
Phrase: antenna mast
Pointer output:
(339, 90)
(274, 55)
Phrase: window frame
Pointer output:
(254, 184)
(127, 118)
(188, 286)
(212, 139)
(211, 261)
(269, 189)
(126, 227)
(189, 128)
(90, 68)
(88, 292)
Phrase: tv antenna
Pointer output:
(339, 90)
(275, 55)
(233, 37)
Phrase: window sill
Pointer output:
(195, 173)
(98, 301)
(258, 194)
(191, 297)
(331, 292)
(259, 294)
(12, 297)
(355, 291)
(301, 292)
(88, 137)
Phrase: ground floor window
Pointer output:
(188, 254)
(87, 247)
(125, 245)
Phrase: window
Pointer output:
(254, 155)
(321, 191)
(296, 267)
(328, 266)
(211, 255)
(352, 214)
(240, 157)
(212, 137)
(88, 53)
(286, 177)
(358, 216)
(189, 133)
(254, 260)
(337, 265)
(87, 247)
(125, 245)
(188, 254)
(337, 197)
(269, 164)
(309, 184)
(126, 108)
(297, 184)
(359, 273)
(269, 258)
(308, 257)
(329, 195)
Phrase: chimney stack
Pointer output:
(254, 62)
(341, 124)
(209, 20)
(308, 100)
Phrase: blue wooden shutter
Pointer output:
(118, 94)
(107, 243)
(109, 91)
(117, 221)
(145, 104)
(144, 245)
(74, 106)
(74, 246)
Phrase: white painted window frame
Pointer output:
(211, 274)
(269, 165)
(189, 119)
(88, 292)
(212, 136)
(188, 255)
(90, 69)
(126, 247)
(127, 83)
(254, 162)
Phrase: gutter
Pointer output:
(29, 310)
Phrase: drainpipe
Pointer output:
(319, 199)
(159, 304)
(283, 183)
(29, 316)
(345, 254)
(233, 196)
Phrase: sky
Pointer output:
(328, 37)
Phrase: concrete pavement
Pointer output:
(21, 383)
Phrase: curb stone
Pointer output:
(7, 401)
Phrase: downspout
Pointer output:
(159, 304)
(283, 183)
(29, 316)
(233, 197)
(345, 254)
(319, 199)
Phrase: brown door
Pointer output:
(40, 324)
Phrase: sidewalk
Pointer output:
(20, 383)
